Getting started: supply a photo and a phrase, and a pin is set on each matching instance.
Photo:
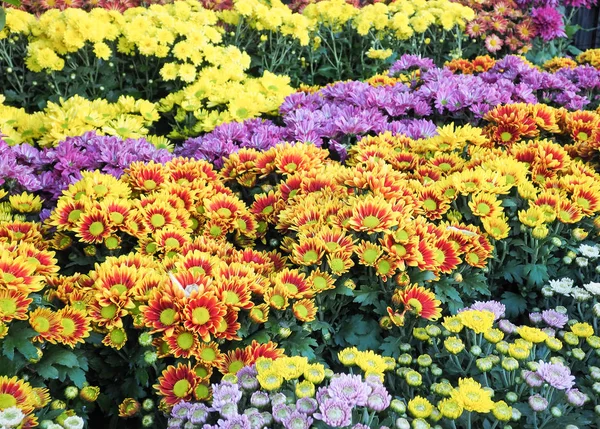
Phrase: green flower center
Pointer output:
(200, 315)
(74, 216)
(181, 388)
(171, 242)
(370, 255)
(370, 221)
(384, 267)
(96, 228)
(117, 217)
(483, 208)
(167, 316)
(430, 204)
(319, 283)
(7, 401)
(208, 354)
(506, 136)
(157, 220)
(117, 336)
(149, 184)
(109, 311)
(68, 326)
(185, 340)
(8, 306)
(310, 257)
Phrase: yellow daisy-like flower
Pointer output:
(453, 324)
(368, 361)
(476, 320)
(493, 335)
(348, 356)
(450, 408)
(502, 411)
(472, 396)
(454, 345)
(270, 380)
(582, 330)
(305, 389)
(419, 407)
(315, 373)
(534, 335)
(25, 203)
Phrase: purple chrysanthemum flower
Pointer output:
(507, 326)
(535, 317)
(360, 426)
(379, 399)
(247, 378)
(198, 413)
(576, 398)
(225, 393)
(556, 375)
(492, 306)
(281, 412)
(532, 379)
(307, 405)
(554, 319)
(235, 422)
(334, 412)
(298, 420)
(538, 403)
(349, 388)
(408, 62)
(548, 22)
(180, 410)
(259, 399)
(278, 398)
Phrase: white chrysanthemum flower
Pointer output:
(593, 288)
(581, 261)
(563, 286)
(580, 294)
(588, 251)
(11, 417)
(73, 422)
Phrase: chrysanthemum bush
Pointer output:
(333, 40)
(164, 62)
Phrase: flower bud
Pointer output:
(581, 261)
(476, 350)
(145, 339)
(484, 364)
(405, 347)
(579, 234)
(405, 359)
(567, 260)
(596, 387)
(398, 406)
(147, 421)
(148, 404)
(458, 278)
(150, 357)
(516, 415)
(578, 354)
(595, 373)
(402, 423)
(89, 393)
(436, 371)
(538, 403)
(556, 241)
(597, 409)
(433, 330)
(510, 364)
(512, 397)
(71, 392)
(424, 360)
(556, 412)
(596, 309)
(413, 378)
(57, 404)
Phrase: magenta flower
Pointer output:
(549, 23)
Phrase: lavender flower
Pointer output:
(259, 399)
(198, 413)
(554, 319)
(225, 393)
(297, 420)
(181, 409)
(281, 412)
(537, 403)
(247, 378)
(307, 405)
(492, 306)
(507, 326)
(576, 398)
(334, 412)
(349, 388)
(532, 379)
(379, 399)
(556, 375)
(235, 422)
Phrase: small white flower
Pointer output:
(563, 286)
(593, 288)
(11, 417)
(588, 251)
(73, 422)
(581, 261)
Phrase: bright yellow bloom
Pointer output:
(478, 321)
(472, 396)
(582, 330)
(534, 335)
(419, 407)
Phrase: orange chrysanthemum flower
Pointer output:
(229, 326)
(233, 361)
(421, 301)
(116, 338)
(18, 274)
(267, 350)
(483, 204)
(446, 256)
(224, 207)
(209, 353)
(371, 214)
(368, 253)
(497, 227)
(145, 176)
(13, 305)
(276, 297)
(340, 262)
(182, 343)
(320, 281)
(46, 323)
(158, 215)
(75, 326)
(162, 313)
(259, 313)
(305, 310)
(106, 313)
(293, 282)
(66, 214)
(588, 200)
(44, 261)
(177, 384)
(40, 397)
(432, 203)
(568, 212)
(203, 315)
(15, 392)
(94, 226)
(234, 292)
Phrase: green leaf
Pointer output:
(46, 371)
(28, 350)
(391, 346)
(537, 274)
(366, 295)
(2, 18)
(477, 283)
(448, 295)
(515, 304)
(77, 376)
(62, 357)
(16, 3)
(364, 334)
(301, 344)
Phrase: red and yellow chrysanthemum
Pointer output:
(371, 214)
(182, 342)
(177, 384)
(75, 326)
(305, 310)
(233, 361)
(162, 313)
(93, 226)
(293, 282)
(420, 301)
(203, 315)
(15, 392)
(13, 305)
(18, 274)
(145, 176)
(46, 323)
